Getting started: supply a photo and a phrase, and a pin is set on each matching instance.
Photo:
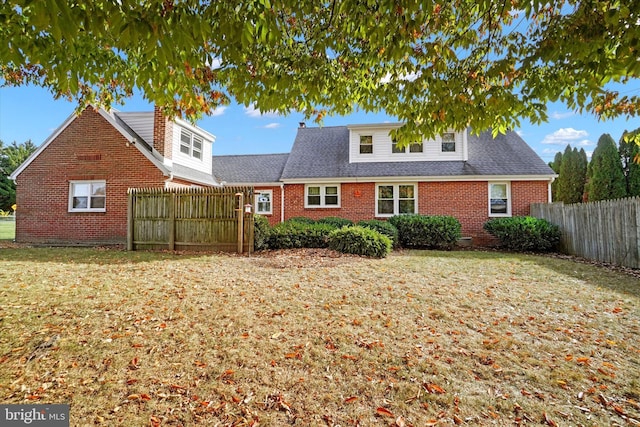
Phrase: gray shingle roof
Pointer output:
(253, 168)
(324, 153)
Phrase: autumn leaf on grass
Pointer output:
(434, 388)
(549, 421)
(351, 399)
(384, 412)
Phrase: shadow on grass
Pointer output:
(84, 255)
(594, 274)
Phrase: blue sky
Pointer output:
(30, 112)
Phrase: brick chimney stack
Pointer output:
(162, 133)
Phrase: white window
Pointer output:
(395, 199)
(366, 144)
(449, 142)
(415, 147)
(322, 196)
(87, 196)
(190, 144)
(499, 199)
(263, 200)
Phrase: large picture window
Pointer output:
(499, 199)
(322, 196)
(87, 196)
(190, 144)
(263, 202)
(395, 199)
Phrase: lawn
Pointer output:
(309, 338)
(7, 230)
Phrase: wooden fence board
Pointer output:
(189, 219)
(607, 231)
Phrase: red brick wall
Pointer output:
(88, 149)
(467, 201)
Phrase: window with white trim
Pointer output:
(322, 196)
(499, 199)
(395, 199)
(366, 144)
(449, 142)
(263, 202)
(87, 196)
(415, 147)
(190, 144)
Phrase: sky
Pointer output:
(31, 113)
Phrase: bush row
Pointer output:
(370, 237)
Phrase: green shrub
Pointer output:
(293, 234)
(301, 220)
(524, 233)
(426, 231)
(335, 221)
(383, 227)
(261, 233)
(360, 241)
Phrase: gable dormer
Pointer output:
(373, 143)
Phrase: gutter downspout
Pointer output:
(550, 196)
(282, 202)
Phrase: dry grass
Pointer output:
(306, 338)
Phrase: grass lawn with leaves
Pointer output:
(7, 230)
(312, 338)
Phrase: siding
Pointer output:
(202, 165)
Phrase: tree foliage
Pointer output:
(11, 156)
(605, 175)
(555, 165)
(433, 65)
(630, 155)
(572, 176)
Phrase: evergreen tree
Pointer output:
(572, 176)
(630, 155)
(583, 165)
(606, 177)
(11, 156)
(555, 165)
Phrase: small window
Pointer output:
(191, 144)
(395, 199)
(396, 148)
(366, 144)
(263, 200)
(87, 196)
(449, 142)
(499, 199)
(322, 196)
(416, 147)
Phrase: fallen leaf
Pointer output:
(434, 388)
(549, 421)
(384, 412)
(350, 399)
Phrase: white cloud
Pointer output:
(218, 111)
(272, 126)
(409, 77)
(566, 136)
(255, 113)
(558, 115)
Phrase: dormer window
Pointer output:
(415, 147)
(449, 142)
(366, 144)
(190, 144)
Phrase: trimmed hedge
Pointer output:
(360, 241)
(335, 221)
(524, 233)
(294, 234)
(427, 231)
(301, 220)
(382, 227)
(262, 231)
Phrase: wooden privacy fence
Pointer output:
(607, 231)
(190, 219)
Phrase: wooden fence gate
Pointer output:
(190, 219)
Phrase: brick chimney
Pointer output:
(162, 133)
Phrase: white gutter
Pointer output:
(282, 202)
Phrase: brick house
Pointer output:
(73, 189)
(357, 172)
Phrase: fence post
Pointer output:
(130, 221)
(240, 212)
(172, 221)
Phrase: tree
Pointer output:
(555, 165)
(605, 176)
(630, 155)
(572, 176)
(434, 65)
(11, 156)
